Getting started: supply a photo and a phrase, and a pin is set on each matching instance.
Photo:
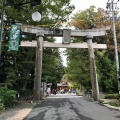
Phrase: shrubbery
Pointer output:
(26, 95)
(112, 96)
(7, 97)
(113, 104)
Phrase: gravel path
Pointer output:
(17, 113)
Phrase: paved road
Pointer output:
(71, 107)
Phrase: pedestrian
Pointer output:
(54, 92)
(69, 91)
(48, 91)
(85, 93)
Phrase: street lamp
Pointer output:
(111, 6)
(36, 16)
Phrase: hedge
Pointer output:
(112, 96)
(7, 97)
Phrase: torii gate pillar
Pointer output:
(93, 73)
(38, 68)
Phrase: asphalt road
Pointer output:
(71, 107)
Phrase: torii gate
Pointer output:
(66, 34)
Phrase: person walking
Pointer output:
(69, 91)
(48, 91)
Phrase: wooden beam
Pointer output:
(60, 45)
(59, 32)
(28, 44)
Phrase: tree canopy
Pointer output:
(78, 61)
(17, 70)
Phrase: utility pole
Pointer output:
(111, 6)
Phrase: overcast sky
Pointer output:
(83, 4)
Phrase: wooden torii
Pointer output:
(66, 34)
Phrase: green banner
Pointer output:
(14, 37)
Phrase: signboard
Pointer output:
(14, 37)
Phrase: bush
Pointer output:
(2, 107)
(28, 94)
(113, 104)
(7, 97)
(112, 96)
(101, 101)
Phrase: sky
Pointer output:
(82, 5)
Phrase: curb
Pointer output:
(109, 106)
(112, 107)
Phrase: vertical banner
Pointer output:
(14, 37)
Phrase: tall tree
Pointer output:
(88, 19)
(77, 68)
(106, 72)
(20, 69)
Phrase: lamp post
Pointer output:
(36, 16)
(111, 6)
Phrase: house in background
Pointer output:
(63, 85)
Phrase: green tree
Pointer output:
(20, 72)
(106, 72)
(77, 68)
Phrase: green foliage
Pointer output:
(2, 107)
(101, 101)
(53, 69)
(106, 72)
(58, 11)
(113, 104)
(112, 96)
(7, 97)
(89, 18)
(18, 70)
(74, 85)
(119, 101)
(77, 69)
(106, 66)
(119, 87)
(26, 93)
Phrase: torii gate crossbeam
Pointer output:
(59, 32)
(47, 44)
